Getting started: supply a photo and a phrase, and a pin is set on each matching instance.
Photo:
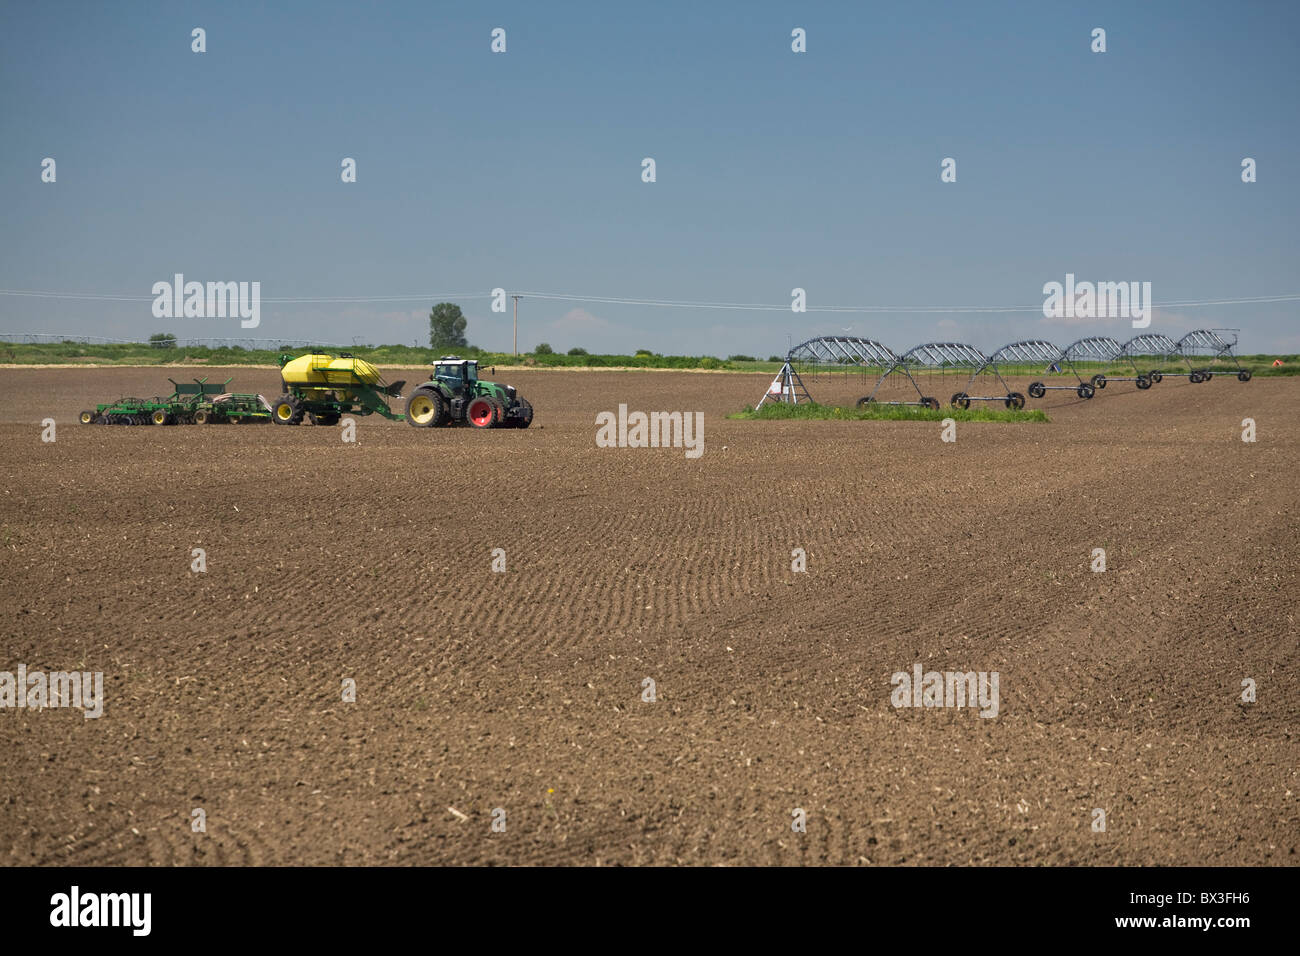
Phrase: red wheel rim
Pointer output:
(480, 412)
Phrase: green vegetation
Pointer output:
(447, 327)
(776, 411)
(407, 356)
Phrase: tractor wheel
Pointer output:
(1243, 375)
(930, 403)
(426, 408)
(482, 412)
(1015, 400)
(286, 411)
(961, 400)
(865, 401)
(524, 418)
(159, 417)
(1085, 391)
(1099, 381)
(1037, 390)
(87, 418)
(1143, 383)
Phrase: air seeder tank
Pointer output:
(326, 371)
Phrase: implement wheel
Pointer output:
(159, 417)
(961, 400)
(1015, 400)
(1037, 390)
(286, 411)
(426, 408)
(202, 416)
(87, 418)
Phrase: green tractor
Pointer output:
(455, 395)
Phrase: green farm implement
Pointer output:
(197, 403)
(322, 388)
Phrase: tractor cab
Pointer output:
(456, 374)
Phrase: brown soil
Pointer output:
(522, 691)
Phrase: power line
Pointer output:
(666, 303)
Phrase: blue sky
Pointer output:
(522, 170)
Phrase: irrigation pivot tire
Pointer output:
(1242, 376)
(865, 401)
(481, 412)
(287, 410)
(425, 408)
(1156, 378)
(1016, 400)
(1143, 383)
(1206, 376)
(87, 418)
(1085, 391)
(961, 400)
(1099, 381)
(930, 403)
(1037, 390)
(1195, 378)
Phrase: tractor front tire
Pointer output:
(482, 412)
(287, 410)
(426, 408)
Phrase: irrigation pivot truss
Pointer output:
(1092, 361)
(930, 357)
(1094, 349)
(1152, 351)
(1207, 351)
(842, 350)
(1025, 352)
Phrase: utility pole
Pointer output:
(516, 298)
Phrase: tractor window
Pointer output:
(449, 374)
(471, 371)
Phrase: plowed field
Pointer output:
(477, 690)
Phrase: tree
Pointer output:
(577, 351)
(543, 349)
(162, 340)
(446, 326)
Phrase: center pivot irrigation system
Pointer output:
(1087, 365)
(321, 389)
